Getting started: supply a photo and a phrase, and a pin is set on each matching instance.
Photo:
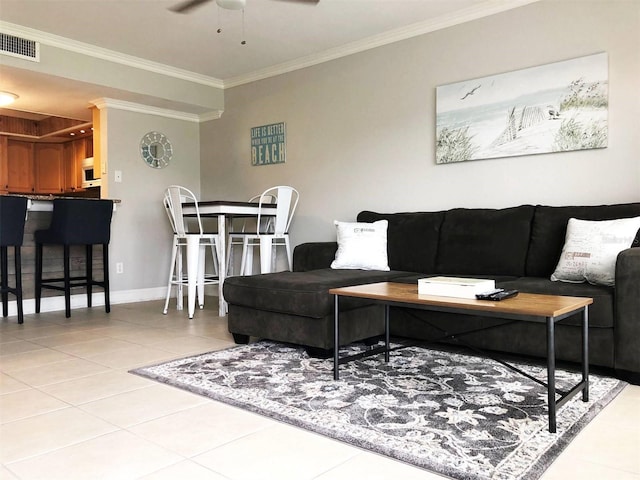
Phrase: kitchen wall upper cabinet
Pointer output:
(20, 171)
(4, 172)
(49, 167)
(74, 153)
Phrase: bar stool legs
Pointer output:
(78, 222)
(13, 213)
(4, 286)
(69, 282)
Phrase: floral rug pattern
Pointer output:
(455, 414)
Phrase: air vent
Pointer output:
(19, 47)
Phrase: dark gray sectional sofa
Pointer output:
(519, 247)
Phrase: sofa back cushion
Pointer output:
(412, 238)
(485, 241)
(550, 227)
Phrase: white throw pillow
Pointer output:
(362, 246)
(591, 249)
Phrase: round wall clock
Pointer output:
(156, 150)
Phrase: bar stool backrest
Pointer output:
(287, 201)
(13, 213)
(174, 197)
(80, 222)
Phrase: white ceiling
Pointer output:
(280, 35)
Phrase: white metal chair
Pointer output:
(237, 233)
(276, 236)
(174, 197)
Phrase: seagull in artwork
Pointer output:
(471, 92)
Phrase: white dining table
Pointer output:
(224, 210)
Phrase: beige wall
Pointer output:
(141, 235)
(360, 130)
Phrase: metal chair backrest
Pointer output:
(174, 197)
(266, 224)
(287, 201)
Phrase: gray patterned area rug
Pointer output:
(451, 413)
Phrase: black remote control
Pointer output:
(498, 295)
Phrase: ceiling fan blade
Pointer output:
(308, 2)
(186, 6)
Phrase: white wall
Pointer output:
(361, 129)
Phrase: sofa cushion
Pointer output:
(484, 241)
(550, 227)
(412, 238)
(299, 293)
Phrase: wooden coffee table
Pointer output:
(526, 307)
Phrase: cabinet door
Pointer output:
(80, 153)
(4, 170)
(89, 146)
(20, 167)
(70, 169)
(49, 167)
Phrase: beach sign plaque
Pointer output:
(268, 144)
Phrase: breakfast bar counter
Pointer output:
(44, 203)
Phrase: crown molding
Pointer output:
(490, 7)
(106, 54)
(102, 103)
(213, 115)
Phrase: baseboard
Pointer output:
(56, 304)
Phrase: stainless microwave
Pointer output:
(90, 178)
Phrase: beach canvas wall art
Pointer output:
(557, 107)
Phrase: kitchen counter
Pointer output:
(44, 203)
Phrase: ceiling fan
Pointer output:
(187, 5)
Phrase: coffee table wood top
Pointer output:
(530, 304)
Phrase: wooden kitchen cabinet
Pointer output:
(73, 154)
(20, 173)
(49, 167)
(42, 167)
(4, 171)
(88, 145)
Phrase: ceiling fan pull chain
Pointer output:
(243, 42)
(219, 30)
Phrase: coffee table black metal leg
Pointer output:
(336, 339)
(551, 375)
(386, 333)
(585, 354)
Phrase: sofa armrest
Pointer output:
(627, 311)
(313, 256)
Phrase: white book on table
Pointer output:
(454, 286)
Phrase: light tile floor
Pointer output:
(69, 410)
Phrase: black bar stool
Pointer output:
(76, 222)
(13, 212)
